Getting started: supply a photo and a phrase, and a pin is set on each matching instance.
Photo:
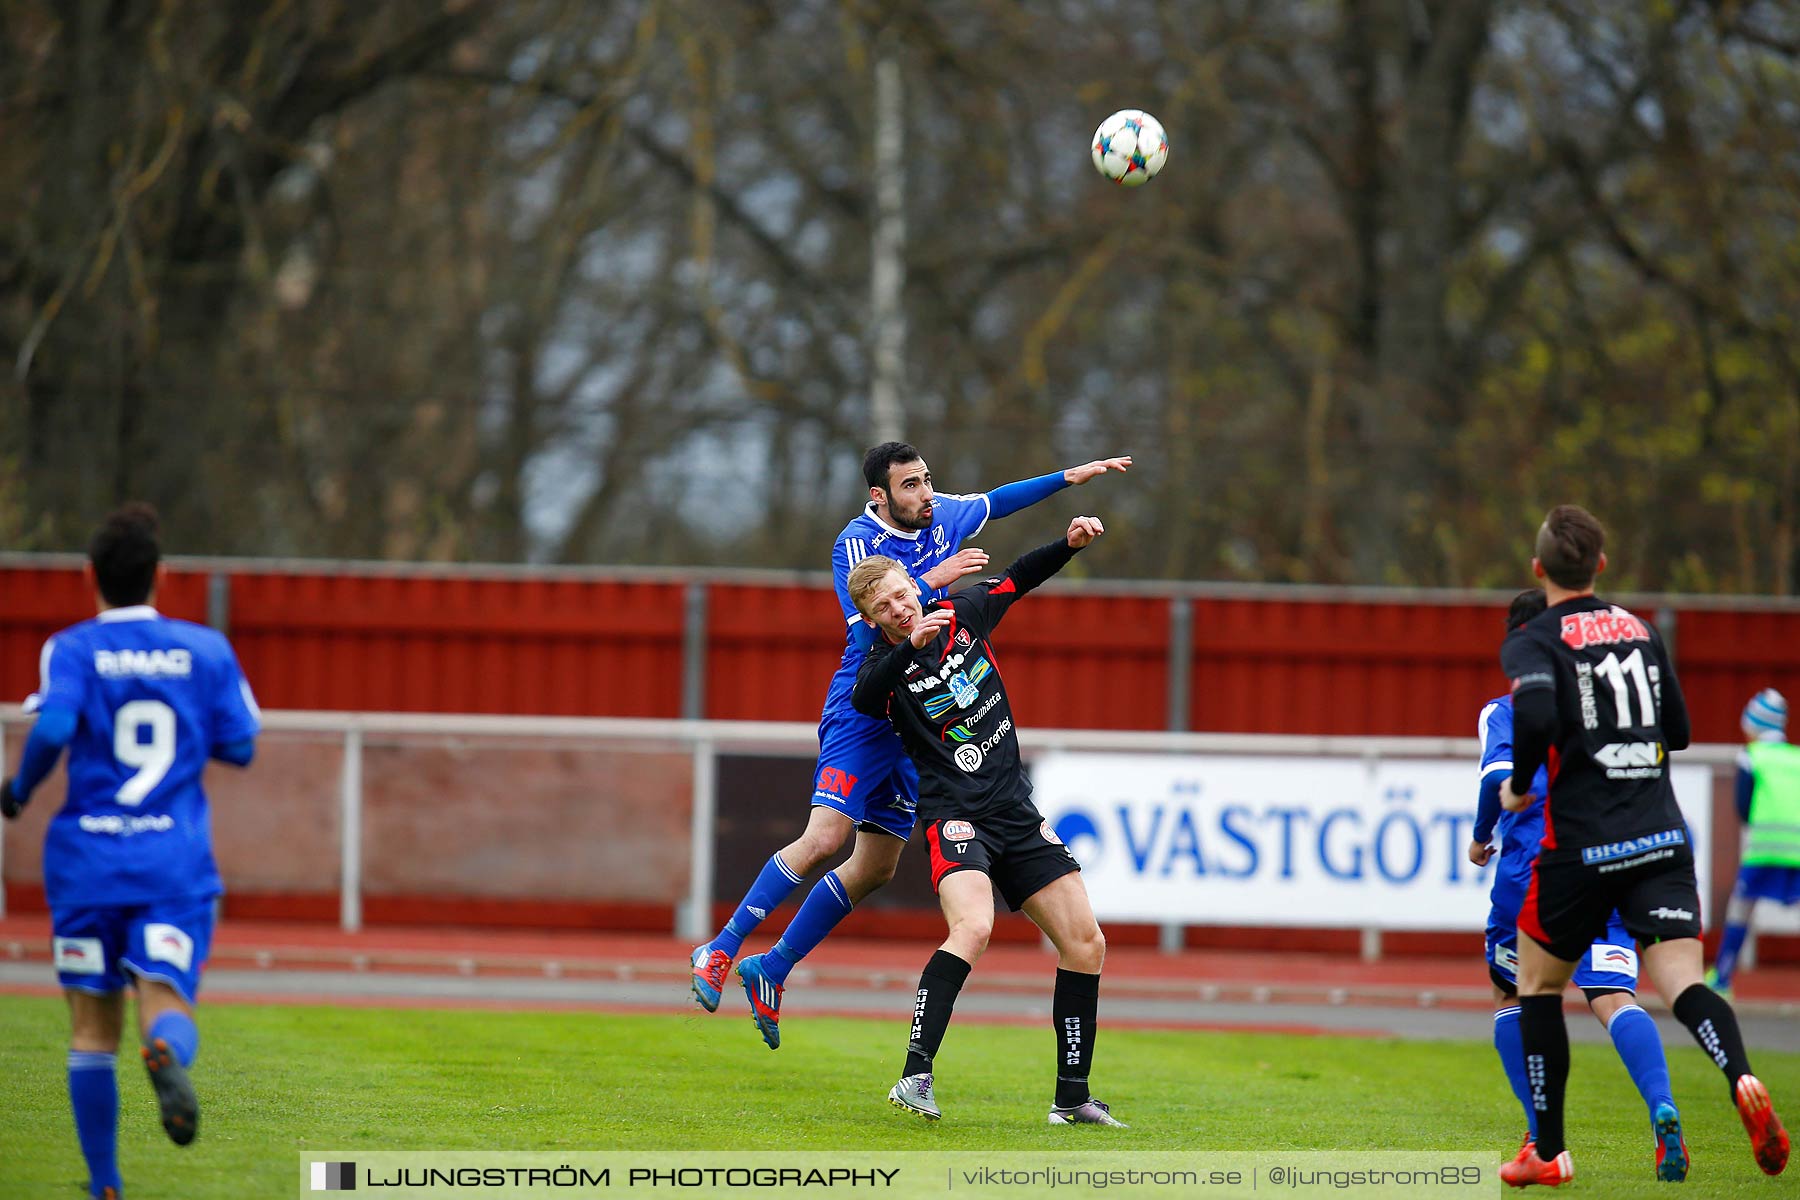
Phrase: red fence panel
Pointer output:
(615, 643)
(35, 602)
(770, 651)
(1726, 656)
(1343, 666)
(445, 643)
(1087, 660)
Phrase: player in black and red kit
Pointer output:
(1595, 697)
(934, 676)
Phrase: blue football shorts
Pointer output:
(1611, 962)
(864, 772)
(1780, 884)
(96, 948)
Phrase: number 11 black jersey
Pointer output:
(1619, 712)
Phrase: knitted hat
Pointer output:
(1765, 717)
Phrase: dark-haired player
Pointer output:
(141, 702)
(1607, 974)
(1595, 697)
(936, 681)
(862, 781)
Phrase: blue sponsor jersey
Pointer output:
(1521, 833)
(953, 519)
(153, 698)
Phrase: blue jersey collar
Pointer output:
(911, 535)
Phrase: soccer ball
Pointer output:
(1130, 147)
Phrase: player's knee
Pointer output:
(812, 848)
(1088, 952)
(878, 874)
(973, 932)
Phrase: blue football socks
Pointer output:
(824, 906)
(1512, 1057)
(774, 883)
(94, 1096)
(1640, 1048)
(178, 1030)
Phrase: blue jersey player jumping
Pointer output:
(141, 702)
(1607, 975)
(864, 780)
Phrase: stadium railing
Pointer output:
(321, 787)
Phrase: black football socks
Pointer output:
(1076, 1005)
(943, 978)
(1710, 1019)
(1545, 1039)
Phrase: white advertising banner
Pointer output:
(1242, 840)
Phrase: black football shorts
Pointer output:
(1569, 900)
(1016, 849)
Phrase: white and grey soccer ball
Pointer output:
(1130, 147)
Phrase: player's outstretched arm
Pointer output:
(1035, 566)
(1028, 571)
(53, 730)
(1009, 498)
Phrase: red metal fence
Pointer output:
(761, 645)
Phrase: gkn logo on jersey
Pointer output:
(1631, 760)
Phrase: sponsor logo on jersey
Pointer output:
(965, 692)
(1049, 834)
(993, 739)
(951, 666)
(1631, 760)
(79, 956)
(965, 731)
(144, 664)
(1672, 914)
(1614, 851)
(1619, 960)
(958, 831)
(969, 757)
(166, 943)
(835, 782)
(1583, 629)
(118, 826)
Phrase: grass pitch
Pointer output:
(276, 1081)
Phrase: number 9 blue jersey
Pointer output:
(153, 698)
